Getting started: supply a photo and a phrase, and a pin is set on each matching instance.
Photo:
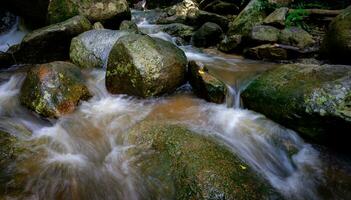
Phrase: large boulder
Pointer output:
(337, 42)
(50, 43)
(186, 165)
(91, 49)
(314, 100)
(208, 34)
(143, 66)
(297, 37)
(264, 34)
(53, 89)
(110, 12)
(204, 84)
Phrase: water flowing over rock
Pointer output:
(109, 12)
(192, 166)
(91, 49)
(53, 89)
(50, 43)
(311, 99)
(337, 42)
(144, 66)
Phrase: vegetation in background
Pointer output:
(296, 18)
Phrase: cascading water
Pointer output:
(84, 155)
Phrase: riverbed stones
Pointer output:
(205, 85)
(264, 34)
(295, 36)
(208, 34)
(267, 52)
(128, 25)
(191, 166)
(109, 12)
(313, 100)
(50, 43)
(143, 66)
(337, 42)
(53, 89)
(91, 49)
(230, 43)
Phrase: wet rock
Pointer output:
(208, 34)
(98, 26)
(53, 89)
(252, 15)
(230, 43)
(109, 12)
(143, 66)
(179, 30)
(277, 17)
(204, 84)
(127, 25)
(91, 49)
(222, 7)
(314, 100)
(7, 21)
(267, 52)
(264, 34)
(337, 42)
(191, 166)
(297, 37)
(50, 43)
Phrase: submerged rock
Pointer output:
(187, 165)
(337, 42)
(50, 43)
(143, 66)
(204, 84)
(91, 49)
(208, 34)
(314, 100)
(53, 89)
(109, 12)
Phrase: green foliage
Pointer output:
(296, 18)
(265, 6)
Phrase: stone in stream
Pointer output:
(178, 30)
(127, 25)
(143, 66)
(91, 49)
(297, 37)
(204, 84)
(53, 89)
(337, 42)
(222, 7)
(313, 100)
(277, 17)
(267, 52)
(40, 12)
(98, 26)
(7, 21)
(49, 43)
(264, 34)
(208, 34)
(182, 164)
(230, 43)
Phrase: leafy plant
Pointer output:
(296, 18)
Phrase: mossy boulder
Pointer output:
(208, 34)
(337, 42)
(230, 43)
(91, 49)
(53, 89)
(143, 66)
(187, 165)
(264, 34)
(50, 43)
(40, 12)
(277, 17)
(204, 84)
(297, 37)
(252, 15)
(128, 25)
(313, 100)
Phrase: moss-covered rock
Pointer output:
(178, 30)
(277, 17)
(208, 34)
(50, 43)
(91, 49)
(186, 165)
(230, 43)
(314, 100)
(53, 89)
(297, 37)
(264, 34)
(143, 66)
(204, 84)
(337, 42)
(127, 25)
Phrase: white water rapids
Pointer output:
(84, 156)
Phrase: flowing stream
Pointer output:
(84, 155)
